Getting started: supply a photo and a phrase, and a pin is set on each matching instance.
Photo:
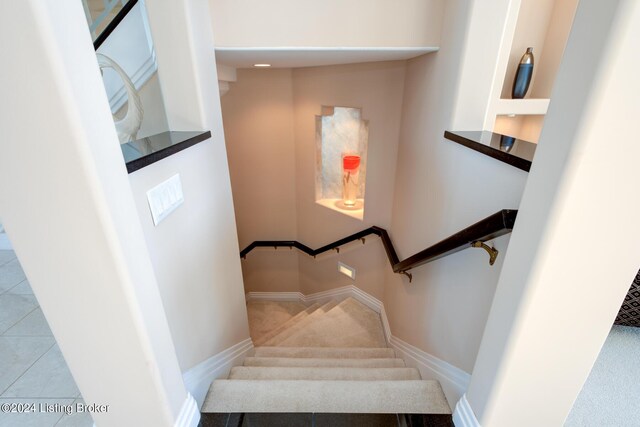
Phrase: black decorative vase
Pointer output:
(523, 75)
(506, 143)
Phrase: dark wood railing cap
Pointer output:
(496, 225)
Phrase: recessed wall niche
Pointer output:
(340, 132)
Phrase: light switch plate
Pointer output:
(164, 198)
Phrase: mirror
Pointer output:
(5, 245)
(100, 13)
(125, 53)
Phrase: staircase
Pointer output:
(322, 365)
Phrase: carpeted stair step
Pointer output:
(326, 352)
(300, 325)
(328, 306)
(381, 397)
(323, 362)
(349, 324)
(295, 319)
(306, 373)
(264, 316)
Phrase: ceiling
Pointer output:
(294, 57)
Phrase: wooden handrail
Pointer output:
(493, 226)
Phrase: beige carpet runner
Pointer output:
(330, 358)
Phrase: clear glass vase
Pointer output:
(350, 179)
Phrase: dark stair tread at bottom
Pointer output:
(324, 420)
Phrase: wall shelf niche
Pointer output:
(537, 106)
(340, 131)
(545, 26)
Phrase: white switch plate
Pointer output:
(165, 198)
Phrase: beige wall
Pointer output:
(195, 250)
(381, 23)
(441, 188)
(370, 262)
(189, 250)
(258, 125)
(438, 188)
(261, 112)
(376, 88)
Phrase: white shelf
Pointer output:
(521, 107)
(332, 204)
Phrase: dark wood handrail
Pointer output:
(114, 23)
(496, 225)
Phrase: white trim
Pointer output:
(311, 56)
(223, 87)
(454, 380)
(275, 296)
(415, 49)
(198, 379)
(189, 415)
(319, 297)
(385, 325)
(226, 73)
(325, 296)
(368, 300)
(455, 375)
(522, 106)
(463, 416)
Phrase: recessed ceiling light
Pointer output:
(262, 65)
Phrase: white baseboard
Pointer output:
(198, 379)
(189, 415)
(326, 296)
(454, 380)
(319, 297)
(274, 296)
(463, 416)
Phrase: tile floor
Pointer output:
(32, 369)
